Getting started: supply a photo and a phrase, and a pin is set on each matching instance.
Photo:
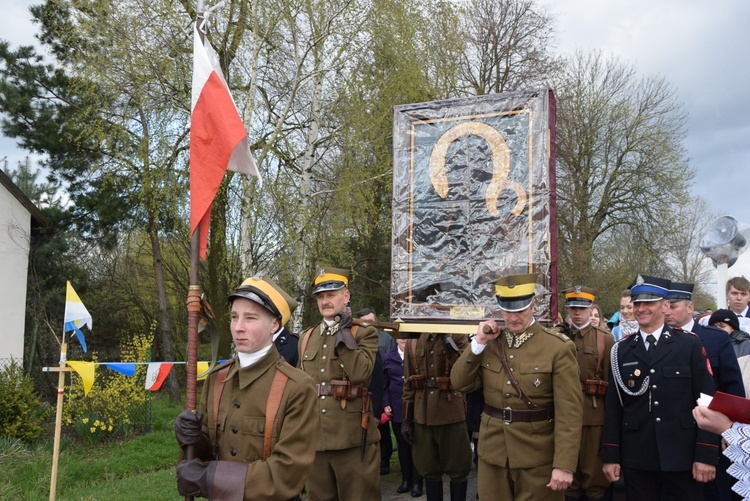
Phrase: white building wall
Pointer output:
(15, 228)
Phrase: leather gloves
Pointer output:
(218, 480)
(187, 428)
(344, 333)
(407, 426)
(195, 478)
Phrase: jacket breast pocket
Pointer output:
(536, 378)
(678, 378)
(492, 377)
(254, 426)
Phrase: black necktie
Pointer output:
(651, 344)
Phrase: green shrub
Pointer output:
(22, 414)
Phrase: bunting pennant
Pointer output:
(156, 374)
(218, 139)
(86, 371)
(76, 315)
(127, 369)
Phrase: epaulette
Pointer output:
(555, 333)
(292, 373)
(294, 334)
(627, 336)
(680, 329)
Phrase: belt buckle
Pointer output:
(508, 415)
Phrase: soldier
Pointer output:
(727, 376)
(657, 375)
(531, 426)
(434, 414)
(593, 345)
(263, 443)
(340, 358)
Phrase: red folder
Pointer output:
(736, 408)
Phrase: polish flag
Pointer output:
(218, 139)
(156, 374)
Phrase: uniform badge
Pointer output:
(321, 272)
(511, 282)
(537, 383)
(631, 383)
(577, 289)
(637, 372)
(639, 280)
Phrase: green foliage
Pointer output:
(114, 405)
(22, 414)
(138, 468)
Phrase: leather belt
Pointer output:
(520, 415)
(324, 390)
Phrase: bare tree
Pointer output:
(508, 45)
(621, 165)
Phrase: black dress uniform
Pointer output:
(649, 429)
(286, 344)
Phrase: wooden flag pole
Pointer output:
(58, 417)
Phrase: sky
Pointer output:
(697, 46)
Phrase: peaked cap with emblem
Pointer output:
(678, 292)
(265, 292)
(515, 292)
(330, 279)
(646, 288)
(580, 296)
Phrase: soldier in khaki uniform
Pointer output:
(530, 429)
(340, 358)
(593, 347)
(256, 425)
(438, 413)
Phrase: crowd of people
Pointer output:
(561, 412)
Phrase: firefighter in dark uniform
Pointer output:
(530, 430)
(593, 346)
(340, 358)
(254, 436)
(287, 344)
(434, 414)
(657, 374)
(726, 370)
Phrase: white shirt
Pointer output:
(248, 359)
(477, 348)
(656, 334)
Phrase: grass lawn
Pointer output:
(140, 468)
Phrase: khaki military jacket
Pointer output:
(241, 426)
(546, 369)
(587, 354)
(434, 357)
(340, 428)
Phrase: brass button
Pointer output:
(233, 452)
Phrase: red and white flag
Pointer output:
(218, 139)
(156, 374)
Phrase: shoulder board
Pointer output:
(628, 336)
(292, 372)
(683, 331)
(556, 334)
(294, 334)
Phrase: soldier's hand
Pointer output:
(344, 332)
(611, 471)
(187, 428)
(487, 331)
(560, 480)
(703, 472)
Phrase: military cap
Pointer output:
(678, 292)
(580, 296)
(330, 279)
(646, 288)
(515, 292)
(265, 292)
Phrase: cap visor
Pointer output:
(646, 297)
(512, 305)
(328, 286)
(579, 303)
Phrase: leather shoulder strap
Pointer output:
(413, 346)
(221, 375)
(303, 345)
(600, 351)
(272, 408)
(513, 380)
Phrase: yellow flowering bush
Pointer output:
(116, 404)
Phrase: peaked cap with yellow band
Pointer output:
(580, 296)
(330, 279)
(515, 292)
(265, 292)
